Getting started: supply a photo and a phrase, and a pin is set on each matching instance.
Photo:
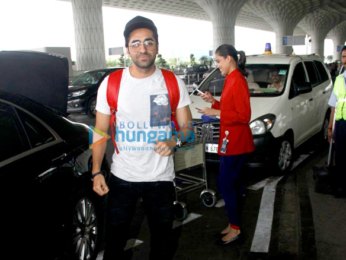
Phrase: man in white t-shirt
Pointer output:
(143, 168)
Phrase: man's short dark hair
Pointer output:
(139, 22)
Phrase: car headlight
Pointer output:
(263, 124)
(78, 93)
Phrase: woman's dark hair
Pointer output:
(225, 50)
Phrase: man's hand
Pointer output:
(165, 148)
(330, 134)
(99, 185)
(330, 126)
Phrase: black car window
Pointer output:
(91, 77)
(299, 76)
(13, 140)
(214, 83)
(313, 74)
(37, 133)
(321, 69)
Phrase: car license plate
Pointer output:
(211, 148)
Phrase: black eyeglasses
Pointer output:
(148, 44)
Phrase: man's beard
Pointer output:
(147, 65)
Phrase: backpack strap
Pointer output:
(112, 98)
(173, 94)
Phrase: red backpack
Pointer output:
(113, 94)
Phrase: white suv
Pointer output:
(284, 117)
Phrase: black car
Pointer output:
(83, 90)
(48, 207)
(195, 73)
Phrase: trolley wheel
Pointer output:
(208, 198)
(180, 211)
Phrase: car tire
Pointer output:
(284, 156)
(85, 228)
(91, 107)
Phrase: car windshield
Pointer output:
(91, 77)
(263, 80)
(192, 68)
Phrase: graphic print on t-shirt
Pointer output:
(160, 110)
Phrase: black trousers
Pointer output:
(340, 153)
(230, 183)
(158, 203)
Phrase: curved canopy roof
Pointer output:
(249, 16)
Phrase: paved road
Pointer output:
(283, 218)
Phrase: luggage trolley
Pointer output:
(191, 157)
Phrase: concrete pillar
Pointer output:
(282, 30)
(338, 35)
(317, 24)
(88, 26)
(283, 16)
(222, 14)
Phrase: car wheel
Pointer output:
(85, 232)
(284, 159)
(91, 108)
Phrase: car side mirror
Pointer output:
(303, 87)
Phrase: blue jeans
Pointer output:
(158, 200)
(231, 185)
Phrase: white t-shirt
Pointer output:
(143, 117)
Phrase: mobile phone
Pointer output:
(200, 91)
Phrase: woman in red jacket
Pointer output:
(236, 139)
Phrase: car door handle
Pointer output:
(60, 157)
(311, 99)
(324, 92)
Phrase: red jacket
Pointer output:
(235, 115)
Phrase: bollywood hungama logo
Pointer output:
(132, 133)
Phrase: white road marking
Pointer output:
(261, 240)
(301, 159)
(264, 182)
(100, 255)
(129, 244)
(132, 243)
(259, 185)
(220, 204)
(190, 218)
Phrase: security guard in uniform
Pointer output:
(338, 101)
